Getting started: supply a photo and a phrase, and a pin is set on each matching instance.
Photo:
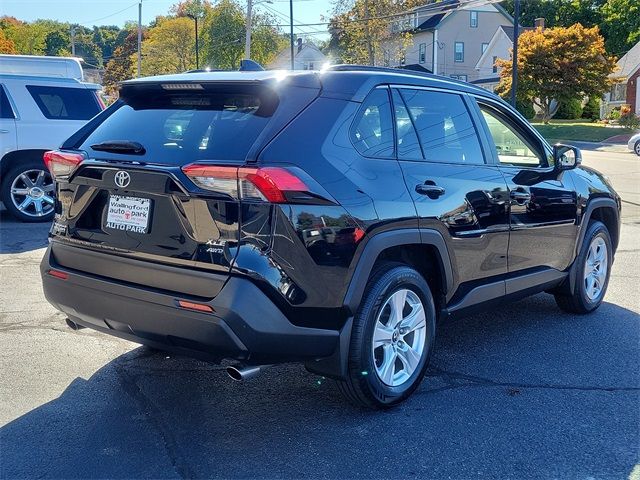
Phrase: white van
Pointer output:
(43, 101)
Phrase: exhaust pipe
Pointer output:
(240, 373)
(73, 325)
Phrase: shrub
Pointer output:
(525, 107)
(569, 109)
(629, 120)
(614, 114)
(591, 110)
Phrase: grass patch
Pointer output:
(568, 130)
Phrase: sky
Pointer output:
(117, 12)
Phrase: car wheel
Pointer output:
(636, 148)
(391, 340)
(593, 271)
(28, 192)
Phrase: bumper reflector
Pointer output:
(199, 307)
(58, 274)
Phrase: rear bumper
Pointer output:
(245, 325)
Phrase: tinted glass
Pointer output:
(63, 103)
(372, 131)
(408, 145)
(181, 129)
(445, 129)
(511, 146)
(5, 106)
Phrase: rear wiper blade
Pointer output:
(120, 146)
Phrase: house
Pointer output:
(500, 46)
(447, 38)
(627, 89)
(307, 56)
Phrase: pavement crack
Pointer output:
(474, 381)
(129, 384)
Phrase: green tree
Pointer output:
(121, 66)
(368, 32)
(223, 35)
(169, 47)
(559, 64)
(621, 25)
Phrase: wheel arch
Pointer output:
(606, 211)
(11, 158)
(423, 249)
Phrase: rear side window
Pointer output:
(372, 130)
(5, 106)
(184, 128)
(445, 129)
(64, 103)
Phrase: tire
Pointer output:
(586, 296)
(636, 148)
(27, 191)
(364, 385)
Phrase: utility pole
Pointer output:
(197, 47)
(247, 38)
(368, 34)
(73, 41)
(291, 32)
(139, 38)
(514, 66)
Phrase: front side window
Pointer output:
(512, 148)
(473, 19)
(372, 130)
(5, 106)
(422, 55)
(445, 129)
(64, 103)
(407, 141)
(458, 52)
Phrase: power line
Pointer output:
(90, 22)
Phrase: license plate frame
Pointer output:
(128, 214)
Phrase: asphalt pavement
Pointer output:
(523, 391)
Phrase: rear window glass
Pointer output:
(183, 128)
(64, 103)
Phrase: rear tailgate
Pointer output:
(141, 205)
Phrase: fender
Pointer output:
(395, 238)
(603, 202)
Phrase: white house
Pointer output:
(447, 38)
(499, 47)
(627, 89)
(306, 56)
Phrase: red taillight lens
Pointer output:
(267, 184)
(61, 164)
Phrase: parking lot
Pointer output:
(523, 391)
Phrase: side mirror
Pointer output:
(566, 157)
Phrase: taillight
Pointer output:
(61, 164)
(268, 184)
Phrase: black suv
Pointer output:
(330, 218)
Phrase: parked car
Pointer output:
(43, 100)
(634, 144)
(327, 218)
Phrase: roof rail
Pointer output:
(369, 68)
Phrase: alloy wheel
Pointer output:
(32, 193)
(595, 268)
(399, 337)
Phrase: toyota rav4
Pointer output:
(331, 218)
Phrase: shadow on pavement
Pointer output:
(17, 237)
(521, 392)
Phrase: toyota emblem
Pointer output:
(122, 179)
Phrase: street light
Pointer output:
(247, 41)
(196, 10)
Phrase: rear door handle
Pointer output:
(519, 196)
(431, 191)
(2, 130)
